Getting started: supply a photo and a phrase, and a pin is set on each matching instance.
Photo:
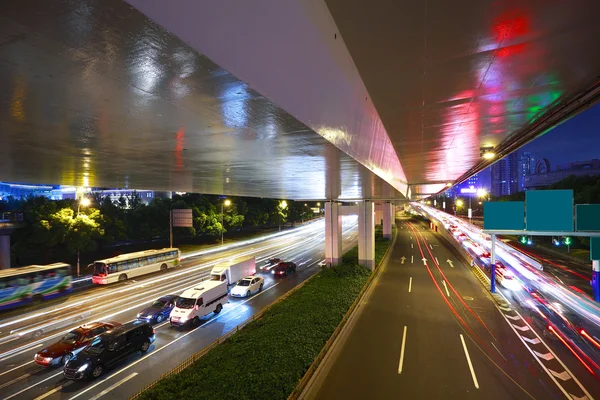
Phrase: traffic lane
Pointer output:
(174, 287)
(489, 331)
(57, 306)
(125, 294)
(157, 363)
(369, 362)
(587, 378)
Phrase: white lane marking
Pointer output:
(546, 356)
(412, 259)
(20, 352)
(563, 375)
(20, 366)
(412, 246)
(410, 284)
(446, 287)
(498, 350)
(410, 237)
(532, 341)
(521, 328)
(164, 347)
(462, 339)
(51, 392)
(402, 351)
(105, 391)
(431, 247)
(436, 261)
(513, 317)
(32, 386)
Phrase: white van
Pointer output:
(193, 304)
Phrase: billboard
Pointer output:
(182, 218)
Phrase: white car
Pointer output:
(247, 286)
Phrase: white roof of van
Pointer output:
(201, 288)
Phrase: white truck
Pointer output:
(234, 270)
(195, 303)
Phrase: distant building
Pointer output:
(505, 175)
(468, 187)
(544, 177)
(57, 192)
(526, 168)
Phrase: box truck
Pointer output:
(195, 303)
(233, 270)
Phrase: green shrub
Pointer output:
(267, 358)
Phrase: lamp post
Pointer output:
(84, 202)
(283, 206)
(227, 203)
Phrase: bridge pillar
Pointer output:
(378, 216)
(366, 234)
(388, 220)
(4, 251)
(333, 233)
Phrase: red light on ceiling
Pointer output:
(510, 25)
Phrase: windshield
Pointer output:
(70, 337)
(183, 302)
(245, 282)
(99, 268)
(215, 277)
(96, 347)
(159, 304)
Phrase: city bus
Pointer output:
(19, 286)
(130, 265)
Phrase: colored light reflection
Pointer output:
(179, 139)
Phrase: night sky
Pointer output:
(578, 139)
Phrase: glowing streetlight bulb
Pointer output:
(84, 202)
(227, 203)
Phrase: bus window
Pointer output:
(99, 269)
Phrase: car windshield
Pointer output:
(96, 347)
(70, 337)
(159, 304)
(244, 282)
(99, 268)
(183, 302)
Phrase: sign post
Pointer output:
(181, 218)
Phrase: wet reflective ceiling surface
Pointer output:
(450, 78)
(96, 94)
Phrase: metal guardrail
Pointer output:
(196, 356)
(301, 386)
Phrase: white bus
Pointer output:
(135, 264)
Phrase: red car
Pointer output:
(284, 269)
(72, 343)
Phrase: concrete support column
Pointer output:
(366, 234)
(596, 279)
(4, 251)
(388, 220)
(333, 233)
(378, 217)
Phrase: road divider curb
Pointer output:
(313, 372)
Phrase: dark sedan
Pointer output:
(284, 269)
(159, 311)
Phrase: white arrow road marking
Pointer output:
(424, 261)
(546, 356)
(532, 341)
(563, 375)
(402, 260)
(521, 328)
(450, 262)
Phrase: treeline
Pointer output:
(61, 227)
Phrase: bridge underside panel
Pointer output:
(96, 94)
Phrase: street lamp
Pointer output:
(283, 206)
(227, 203)
(84, 202)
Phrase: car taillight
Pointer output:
(152, 330)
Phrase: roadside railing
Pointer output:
(195, 357)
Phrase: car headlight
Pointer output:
(83, 367)
(48, 359)
(138, 315)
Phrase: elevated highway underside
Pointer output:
(298, 99)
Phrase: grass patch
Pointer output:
(267, 358)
